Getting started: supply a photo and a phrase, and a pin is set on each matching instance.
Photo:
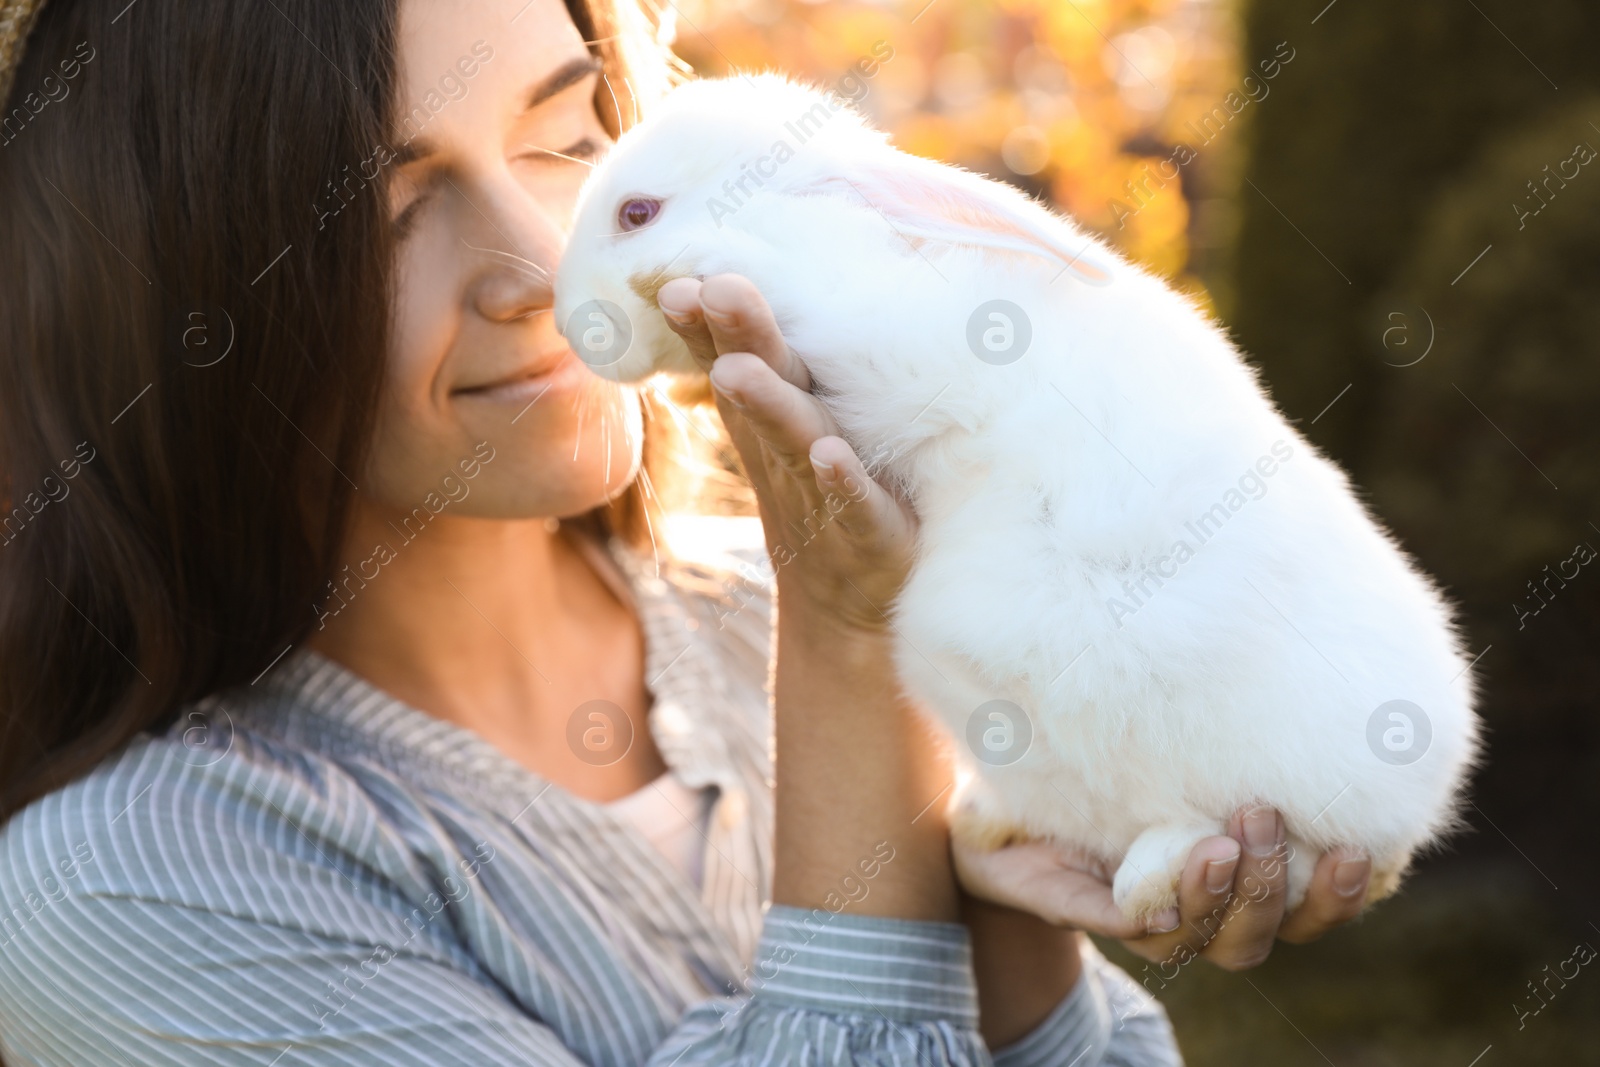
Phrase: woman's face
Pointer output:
(493, 94)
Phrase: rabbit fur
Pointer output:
(1140, 600)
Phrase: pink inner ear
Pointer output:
(924, 199)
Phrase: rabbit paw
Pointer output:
(1147, 882)
(1302, 865)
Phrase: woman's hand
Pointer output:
(1230, 900)
(856, 768)
(840, 542)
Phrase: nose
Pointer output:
(515, 253)
(512, 284)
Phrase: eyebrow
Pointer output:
(563, 77)
(568, 74)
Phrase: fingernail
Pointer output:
(727, 394)
(825, 471)
(1261, 831)
(1164, 922)
(1350, 876)
(682, 318)
(1219, 874)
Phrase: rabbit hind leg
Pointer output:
(1147, 882)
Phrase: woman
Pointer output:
(349, 714)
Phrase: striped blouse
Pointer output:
(306, 871)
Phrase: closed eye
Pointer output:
(406, 221)
(586, 151)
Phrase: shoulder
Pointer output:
(182, 904)
(207, 818)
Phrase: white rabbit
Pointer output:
(1139, 595)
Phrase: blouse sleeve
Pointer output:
(840, 990)
(1106, 1021)
(837, 989)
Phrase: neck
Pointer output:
(497, 625)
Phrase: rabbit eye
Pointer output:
(637, 213)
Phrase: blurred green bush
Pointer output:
(1385, 205)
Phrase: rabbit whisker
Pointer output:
(605, 438)
(577, 441)
(517, 261)
(649, 492)
(618, 107)
(633, 98)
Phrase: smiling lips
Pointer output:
(543, 374)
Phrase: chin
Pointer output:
(594, 467)
(546, 486)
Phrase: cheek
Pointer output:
(413, 433)
(425, 324)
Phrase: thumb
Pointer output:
(1035, 877)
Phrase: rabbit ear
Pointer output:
(921, 198)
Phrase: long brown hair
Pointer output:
(189, 359)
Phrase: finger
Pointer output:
(1082, 906)
(797, 437)
(1259, 887)
(740, 321)
(773, 425)
(867, 511)
(682, 305)
(1204, 890)
(679, 301)
(1337, 894)
(785, 419)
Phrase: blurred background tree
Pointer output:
(1069, 99)
(1430, 156)
(1393, 209)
